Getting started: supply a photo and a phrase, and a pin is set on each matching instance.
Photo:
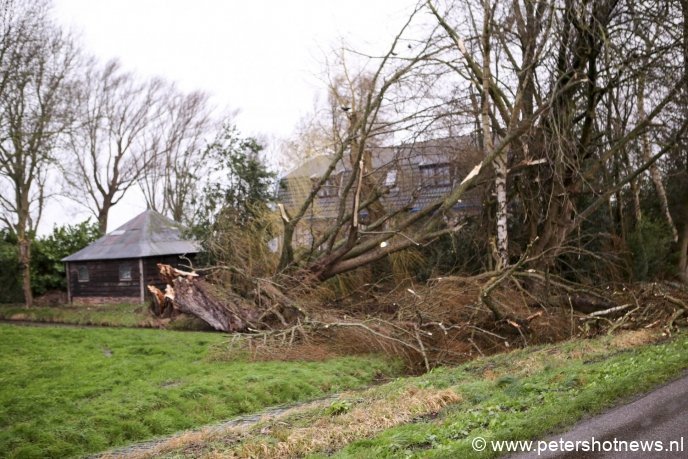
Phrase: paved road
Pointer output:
(661, 415)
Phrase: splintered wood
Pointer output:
(187, 293)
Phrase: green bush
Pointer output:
(11, 291)
(47, 269)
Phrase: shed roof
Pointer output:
(146, 235)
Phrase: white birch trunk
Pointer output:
(500, 165)
(502, 213)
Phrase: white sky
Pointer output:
(262, 58)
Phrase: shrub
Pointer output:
(47, 269)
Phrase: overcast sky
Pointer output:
(260, 57)
(263, 58)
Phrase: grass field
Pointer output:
(522, 395)
(113, 315)
(529, 395)
(69, 391)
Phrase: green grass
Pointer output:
(114, 315)
(69, 391)
(525, 395)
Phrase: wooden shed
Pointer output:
(118, 266)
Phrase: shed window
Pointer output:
(125, 272)
(82, 273)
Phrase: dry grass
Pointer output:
(302, 352)
(195, 440)
(363, 421)
(536, 361)
(405, 264)
(635, 338)
(274, 438)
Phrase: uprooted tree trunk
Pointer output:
(188, 293)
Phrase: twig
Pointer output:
(422, 349)
(675, 301)
(492, 284)
(487, 332)
(678, 313)
(608, 311)
(476, 347)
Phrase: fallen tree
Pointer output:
(553, 170)
(443, 321)
(224, 310)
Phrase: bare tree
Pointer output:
(36, 59)
(682, 149)
(552, 91)
(517, 35)
(545, 73)
(179, 158)
(394, 95)
(312, 137)
(559, 63)
(110, 149)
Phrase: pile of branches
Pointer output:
(446, 320)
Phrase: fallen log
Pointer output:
(222, 311)
(187, 293)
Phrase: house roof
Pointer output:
(408, 186)
(312, 167)
(146, 235)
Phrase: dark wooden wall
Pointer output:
(103, 279)
(104, 276)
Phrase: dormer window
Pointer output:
(435, 174)
(391, 178)
(330, 188)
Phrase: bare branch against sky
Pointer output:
(265, 60)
